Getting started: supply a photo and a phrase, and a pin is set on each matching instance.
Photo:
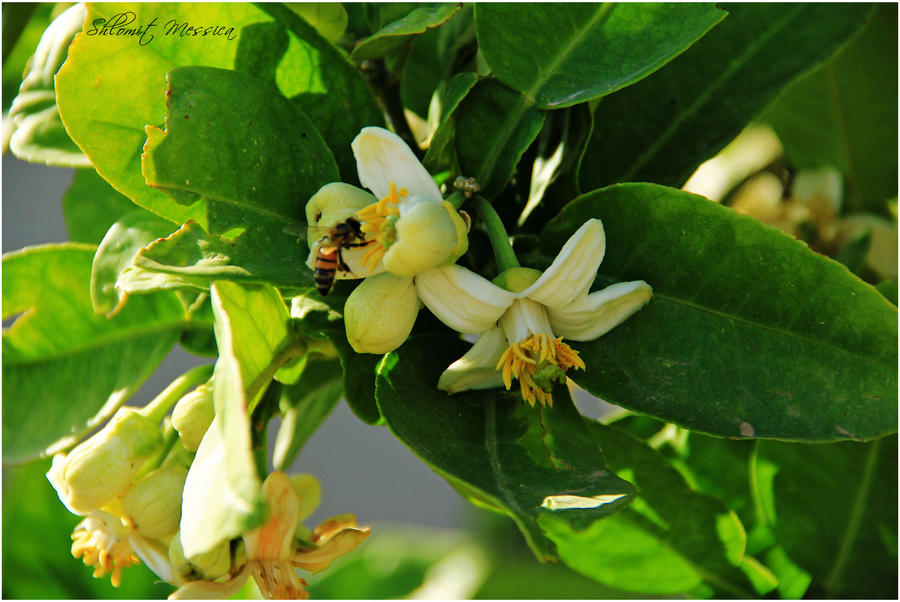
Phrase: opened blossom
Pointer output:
(407, 230)
(522, 325)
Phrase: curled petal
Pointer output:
(461, 299)
(383, 157)
(477, 369)
(379, 314)
(156, 557)
(426, 237)
(273, 539)
(596, 314)
(337, 545)
(573, 270)
(213, 590)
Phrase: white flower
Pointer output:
(410, 230)
(536, 312)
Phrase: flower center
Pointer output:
(537, 362)
(378, 225)
(99, 547)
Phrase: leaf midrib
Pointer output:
(701, 100)
(770, 328)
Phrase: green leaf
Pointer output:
(222, 491)
(396, 34)
(440, 153)
(660, 129)
(123, 240)
(38, 134)
(322, 318)
(328, 18)
(558, 56)
(840, 115)
(66, 369)
(835, 512)
(111, 87)
(749, 333)
(91, 206)
(304, 406)
(668, 541)
(493, 127)
(496, 450)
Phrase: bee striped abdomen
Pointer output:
(325, 267)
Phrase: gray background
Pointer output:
(363, 469)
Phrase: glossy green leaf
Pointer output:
(396, 34)
(492, 447)
(123, 240)
(111, 87)
(660, 129)
(222, 491)
(304, 406)
(440, 153)
(668, 541)
(328, 18)
(38, 134)
(322, 318)
(91, 206)
(749, 333)
(835, 512)
(493, 127)
(66, 369)
(561, 55)
(842, 115)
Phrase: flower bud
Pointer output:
(208, 566)
(309, 491)
(427, 235)
(103, 467)
(193, 414)
(152, 506)
(379, 314)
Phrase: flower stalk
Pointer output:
(160, 406)
(503, 251)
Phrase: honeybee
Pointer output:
(328, 258)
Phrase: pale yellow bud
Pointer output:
(309, 491)
(208, 566)
(379, 314)
(152, 506)
(193, 414)
(427, 235)
(103, 467)
(332, 204)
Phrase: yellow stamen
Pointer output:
(103, 552)
(523, 359)
(376, 226)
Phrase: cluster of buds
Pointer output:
(128, 481)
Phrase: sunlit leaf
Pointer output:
(393, 35)
(747, 333)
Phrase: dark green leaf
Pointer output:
(440, 153)
(749, 333)
(660, 129)
(495, 449)
(842, 115)
(493, 127)
(90, 206)
(66, 369)
(561, 55)
(15, 18)
(393, 35)
(304, 406)
(322, 318)
(835, 512)
(38, 134)
(853, 254)
(668, 541)
(123, 240)
(888, 288)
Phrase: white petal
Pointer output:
(598, 313)
(426, 237)
(383, 157)
(155, 556)
(461, 299)
(525, 318)
(477, 369)
(573, 270)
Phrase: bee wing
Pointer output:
(302, 231)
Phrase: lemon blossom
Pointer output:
(522, 328)
(408, 229)
(273, 552)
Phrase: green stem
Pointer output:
(295, 349)
(503, 251)
(163, 402)
(267, 407)
(170, 437)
